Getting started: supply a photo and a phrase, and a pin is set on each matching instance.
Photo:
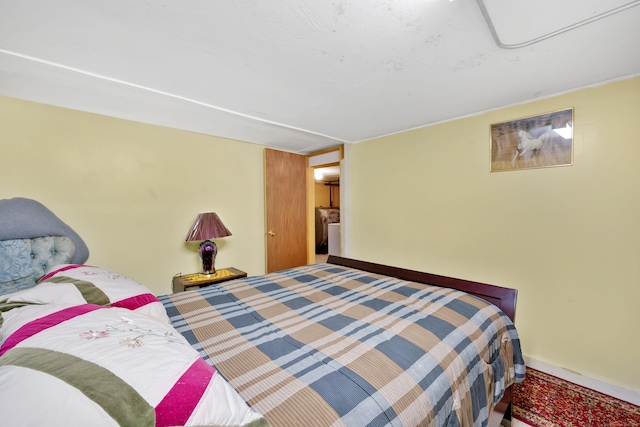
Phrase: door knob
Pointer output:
(271, 233)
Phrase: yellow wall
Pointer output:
(132, 190)
(568, 238)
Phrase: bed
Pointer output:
(345, 342)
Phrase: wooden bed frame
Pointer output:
(503, 298)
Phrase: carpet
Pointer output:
(543, 400)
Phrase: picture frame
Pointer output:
(541, 141)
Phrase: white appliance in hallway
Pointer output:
(333, 238)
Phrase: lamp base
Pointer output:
(208, 251)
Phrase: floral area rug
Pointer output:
(543, 400)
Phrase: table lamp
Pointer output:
(207, 226)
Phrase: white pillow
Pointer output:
(105, 287)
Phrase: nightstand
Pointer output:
(195, 281)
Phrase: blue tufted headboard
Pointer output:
(33, 239)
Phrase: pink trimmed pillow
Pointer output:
(105, 287)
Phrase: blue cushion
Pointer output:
(16, 267)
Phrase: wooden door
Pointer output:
(286, 209)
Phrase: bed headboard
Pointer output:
(503, 298)
(32, 239)
(22, 218)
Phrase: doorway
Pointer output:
(324, 204)
(288, 175)
(326, 212)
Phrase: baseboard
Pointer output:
(630, 396)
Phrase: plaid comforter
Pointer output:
(324, 345)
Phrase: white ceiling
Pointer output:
(303, 75)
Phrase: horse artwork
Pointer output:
(528, 143)
(534, 142)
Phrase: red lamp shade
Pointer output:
(207, 226)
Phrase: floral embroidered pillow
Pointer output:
(105, 287)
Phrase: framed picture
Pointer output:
(533, 142)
